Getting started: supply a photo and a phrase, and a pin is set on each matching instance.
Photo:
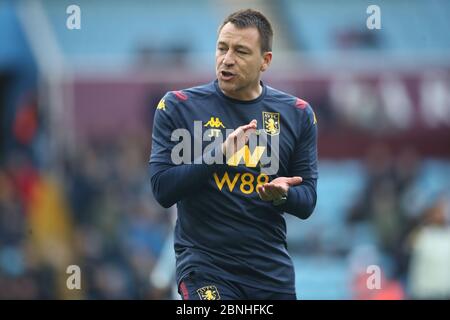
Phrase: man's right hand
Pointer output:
(238, 138)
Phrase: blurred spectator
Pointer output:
(389, 179)
(118, 231)
(429, 275)
(379, 201)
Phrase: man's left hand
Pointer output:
(277, 188)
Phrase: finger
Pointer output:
(248, 133)
(270, 191)
(294, 181)
(251, 125)
(275, 191)
(262, 193)
(239, 137)
(237, 144)
(239, 132)
(246, 130)
(259, 189)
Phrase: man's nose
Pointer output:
(228, 60)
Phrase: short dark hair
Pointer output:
(251, 18)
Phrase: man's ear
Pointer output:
(267, 59)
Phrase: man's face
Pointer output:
(239, 62)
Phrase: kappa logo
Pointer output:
(271, 123)
(214, 123)
(208, 293)
(161, 105)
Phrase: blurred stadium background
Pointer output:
(76, 110)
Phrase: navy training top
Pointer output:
(223, 227)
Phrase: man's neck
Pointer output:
(248, 95)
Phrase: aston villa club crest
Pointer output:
(271, 122)
(208, 293)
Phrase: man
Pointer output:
(230, 235)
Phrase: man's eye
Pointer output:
(222, 49)
(241, 52)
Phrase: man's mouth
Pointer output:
(226, 75)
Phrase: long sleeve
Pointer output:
(171, 182)
(301, 200)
